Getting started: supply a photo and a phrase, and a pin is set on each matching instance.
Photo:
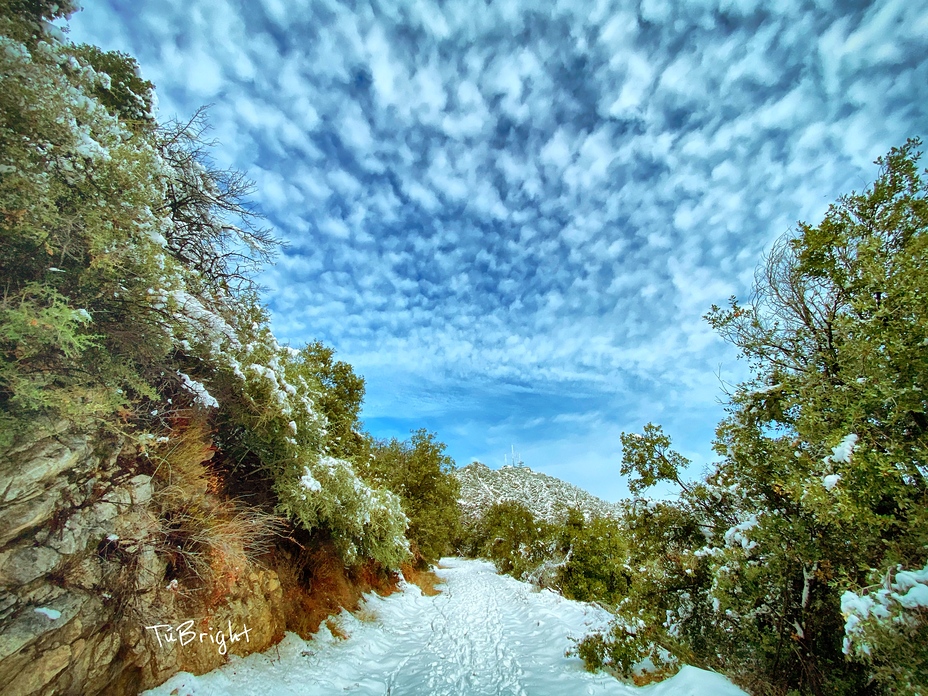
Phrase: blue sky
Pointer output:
(511, 220)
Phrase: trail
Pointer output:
(484, 635)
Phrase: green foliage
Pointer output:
(122, 91)
(650, 457)
(81, 335)
(583, 559)
(421, 475)
(342, 392)
(364, 522)
(28, 15)
(595, 568)
(512, 537)
(127, 294)
(887, 628)
(823, 466)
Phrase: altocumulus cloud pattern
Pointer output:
(510, 216)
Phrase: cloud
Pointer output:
(511, 221)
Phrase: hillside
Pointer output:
(546, 496)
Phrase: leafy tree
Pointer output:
(820, 487)
(342, 393)
(127, 297)
(122, 90)
(80, 332)
(595, 564)
(30, 13)
(420, 473)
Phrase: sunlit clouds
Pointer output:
(510, 220)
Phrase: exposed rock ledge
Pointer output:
(80, 578)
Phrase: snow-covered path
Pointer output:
(484, 635)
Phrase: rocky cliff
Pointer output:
(83, 574)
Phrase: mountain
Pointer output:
(546, 496)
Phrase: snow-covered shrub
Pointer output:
(419, 472)
(887, 627)
(364, 522)
(79, 262)
(512, 537)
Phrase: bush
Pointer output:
(513, 538)
(364, 522)
(421, 475)
(595, 568)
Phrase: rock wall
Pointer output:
(81, 578)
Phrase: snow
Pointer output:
(200, 395)
(765, 390)
(831, 481)
(52, 614)
(737, 535)
(485, 634)
(886, 606)
(309, 482)
(915, 598)
(842, 453)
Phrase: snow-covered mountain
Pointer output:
(546, 496)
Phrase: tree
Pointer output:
(831, 434)
(513, 538)
(214, 229)
(821, 490)
(340, 400)
(421, 474)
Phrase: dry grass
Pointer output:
(425, 580)
(334, 624)
(654, 676)
(208, 540)
(180, 461)
(366, 615)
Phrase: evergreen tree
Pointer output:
(820, 490)
(420, 473)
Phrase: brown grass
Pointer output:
(334, 624)
(211, 539)
(425, 580)
(208, 540)
(366, 615)
(654, 676)
(316, 584)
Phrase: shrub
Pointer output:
(364, 522)
(419, 473)
(513, 538)
(595, 566)
(209, 541)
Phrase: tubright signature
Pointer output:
(184, 634)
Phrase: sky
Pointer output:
(511, 216)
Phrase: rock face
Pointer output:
(81, 578)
